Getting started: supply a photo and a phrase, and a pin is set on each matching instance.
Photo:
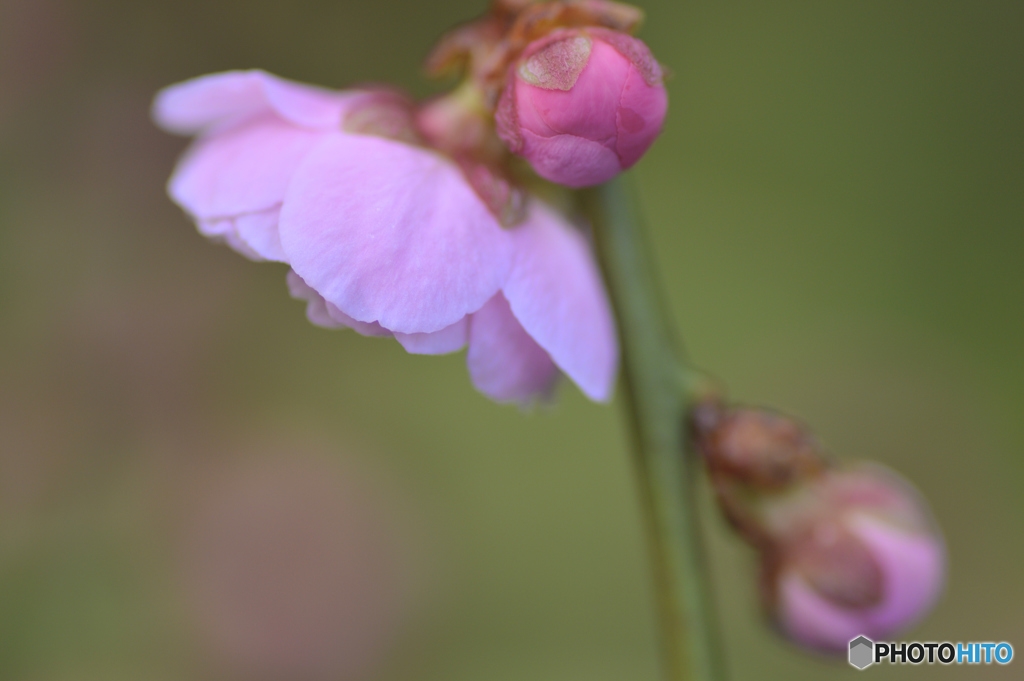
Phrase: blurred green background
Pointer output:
(837, 206)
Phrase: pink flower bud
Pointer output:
(582, 105)
(867, 560)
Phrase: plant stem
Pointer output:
(661, 388)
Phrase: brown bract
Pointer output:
(384, 113)
(754, 446)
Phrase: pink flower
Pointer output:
(386, 236)
(582, 105)
(872, 566)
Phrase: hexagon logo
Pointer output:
(862, 652)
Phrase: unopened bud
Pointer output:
(755, 447)
(582, 105)
(857, 554)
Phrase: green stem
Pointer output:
(661, 388)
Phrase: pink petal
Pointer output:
(223, 230)
(220, 99)
(569, 159)
(254, 235)
(322, 313)
(814, 621)
(259, 231)
(505, 363)
(639, 118)
(556, 293)
(449, 339)
(215, 228)
(913, 570)
(372, 329)
(242, 170)
(913, 565)
(392, 233)
(316, 307)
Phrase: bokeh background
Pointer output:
(196, 483)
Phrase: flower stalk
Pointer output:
(661, 389)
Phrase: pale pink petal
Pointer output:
(223, 230)
(449, 339)
(556, 293)
(372, 329)
(220, 99)
(316, 307)
(239, 245)
(392, 233)
(254, 235)
(322, 313)
(242, 170)
(215, 228)
(505, 363)
(259, 231)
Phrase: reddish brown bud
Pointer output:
(760, 448)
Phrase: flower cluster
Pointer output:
(406, 220)
(846, 550)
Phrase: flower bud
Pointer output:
(757, 448)
(857, 553)
(582, 105)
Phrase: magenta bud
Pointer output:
(582, 105)
(872, 565)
